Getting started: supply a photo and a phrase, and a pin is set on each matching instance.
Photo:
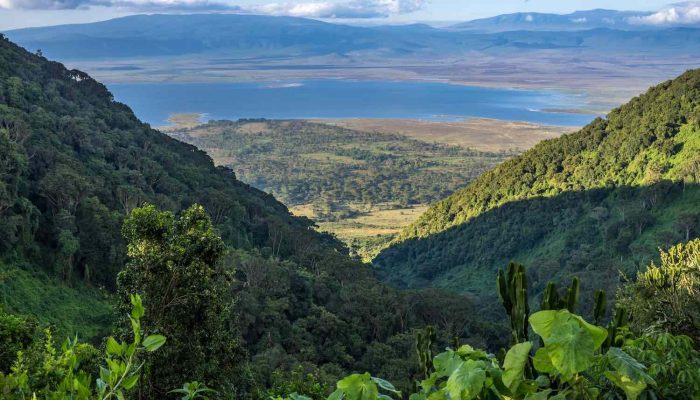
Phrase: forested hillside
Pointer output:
(75, 164)
(591, 203)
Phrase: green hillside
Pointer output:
(591, 203)
(74, 164)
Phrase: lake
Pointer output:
(155, 102)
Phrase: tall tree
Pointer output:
(174, 266)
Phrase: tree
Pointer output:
(174, 266)
(665, 296)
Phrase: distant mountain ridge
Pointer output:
(576, 21)
(264, 37)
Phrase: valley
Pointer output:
(315, 201)
(363, 185)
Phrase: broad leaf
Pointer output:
(627, 365)
(359, 387)
(542, 362)
(153, 342)
(386, 385)
(542, 322)
(467, 381)
(631, 387)
(130, 382)
(570, 348)
(113, 347)
(599, 334)
(446, 363)
(539, 395)
(514, 364)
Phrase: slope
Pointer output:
(74, 163)
(589, 203)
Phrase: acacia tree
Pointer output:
(174, 266)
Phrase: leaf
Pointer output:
(514, 364)
(631, 387)
(336, 395)
(130, 382)
(542, 362)
(386, 385)
(359, 387)
(539, 395)
(297, 396)
(571, 349)
(153, 342)
(542, 322)
(113, 347)
(570, 341)
(466, 382)
(627, 365)
(446, 363)
(137, 310)
(599, 334)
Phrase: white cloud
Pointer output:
(529, 18)
(312, 9)
(581, 20)
(348, 9)
(676, 14)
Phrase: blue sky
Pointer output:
(23, 13)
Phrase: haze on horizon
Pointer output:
(30, 13)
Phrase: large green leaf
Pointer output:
(446, 363)
(359, 387)
(542, 322)
(632, 388)
(514, 364)
(627, 365)
(570, 342)
(599, 334)
(466, 382)
(542, 362)
(570, 348)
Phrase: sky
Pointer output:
(27, 13)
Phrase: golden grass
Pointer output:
(379, 220)
(477, 133)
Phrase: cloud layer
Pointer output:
(676, 14)
(312, 9)
(349, 9)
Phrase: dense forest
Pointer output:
(592, 203)
(182, 282)
(302, 162)
(75, 164)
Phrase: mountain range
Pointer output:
(253, 37)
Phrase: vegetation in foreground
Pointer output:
(74, 164)
(174, 264)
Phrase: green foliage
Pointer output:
(587, 204)
(82, 162)
(42, 371)
(81, 308)
(328, 166)
(665, 297)
(570, 366)
(16, 334)
(193, 391)
(673, 363)
(174, 265)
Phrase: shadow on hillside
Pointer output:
(593, 234)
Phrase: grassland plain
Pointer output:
(362, 180)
